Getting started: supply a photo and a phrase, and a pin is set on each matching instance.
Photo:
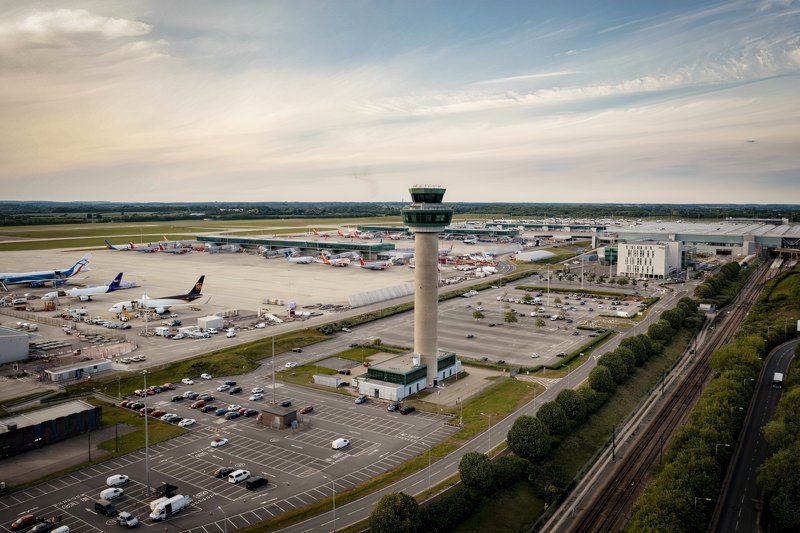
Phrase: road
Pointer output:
(737, 511)
(361, 508)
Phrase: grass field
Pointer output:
(79, 242)
(513, 503)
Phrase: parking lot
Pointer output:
(294, 461)
(497, 340)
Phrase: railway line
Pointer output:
(607, 511)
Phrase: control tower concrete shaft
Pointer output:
(426, 217)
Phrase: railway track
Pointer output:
(607, 511)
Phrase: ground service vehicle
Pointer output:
(127, 520)
(777, 380)
(170, 507)
(338, 444)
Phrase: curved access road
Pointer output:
(737, 511)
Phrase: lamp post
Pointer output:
(490, 429)
(716, 447)
(225, 515)
(333, 490)
(704, 499)
(146, 435)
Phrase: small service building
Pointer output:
(401, 376)
(78, 370)
(34, 429)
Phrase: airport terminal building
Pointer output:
(404, 375)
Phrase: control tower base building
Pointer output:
(426, 217)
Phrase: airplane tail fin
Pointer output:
(131, 243)
(315, 231)
(340, 233)
(114, 285)
(361, 261)
(165, 238)
(198, 287)
(109, 245)
(325, 260)
(83, 261)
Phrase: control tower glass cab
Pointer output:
(426, 217)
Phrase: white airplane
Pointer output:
(230, 248)
(42, 278)
(394, 236)
(340, 262)
(374, 265)
(471, 240)
(350, 234)
(161, 305)
(85, 294)
(174, 250)
(301, 259)
(119, 247)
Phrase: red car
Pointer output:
(23, 522)
(158, 413)
(169, 386)
(198, 404)
(306, 409)
(150, 392)
(148, 409)
(124, 403)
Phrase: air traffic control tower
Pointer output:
(426, 217)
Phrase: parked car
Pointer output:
(255, 397)
(470, 336)
(256, 390)
(219, 441)
(285, 403)
(238, 475)
(186, 422)
(254, 483)
(338, 444)
(198, 404)
(223, 472)
(223, 387)
(126, 519)
(235, 390)
(178, 398)
(305, 410)
(344, 371)
(23, 522)
(407, 410)
(290, 364)
(206, 376)
(187, 381)
(221, 412)
(230, 415)
(230, 383)
(111, 493)
(192, 396)
(207, 397)
(251, 412)
(394, 406)
(207, 408)
(361, 399)
(105, 508)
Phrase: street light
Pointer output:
(225, 515)
(333, 489)
(146, 435)
(704, 499)
(490, 430)
(716, 448)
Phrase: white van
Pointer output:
(238, 475)
(60, 529)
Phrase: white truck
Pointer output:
(169, 507)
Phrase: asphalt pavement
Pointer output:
(737, 511)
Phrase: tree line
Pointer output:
(532, 439)
(30, 212)
(682, 494)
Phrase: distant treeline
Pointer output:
(19, 213)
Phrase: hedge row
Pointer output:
(562, 290)
(720, 288)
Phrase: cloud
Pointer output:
(57, 26)
(524, 77)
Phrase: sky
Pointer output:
(534, 101)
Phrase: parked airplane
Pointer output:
(119, 247)
(42, 278)
(344, 255)
(341, 262)
(161, 305)
(350, 234)
(394, 236)
(471, 240)
(301, 259)
(374, 265)
(324, 235)
(175, 244)
(365, 235)
(176, 250)
(85, 294)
